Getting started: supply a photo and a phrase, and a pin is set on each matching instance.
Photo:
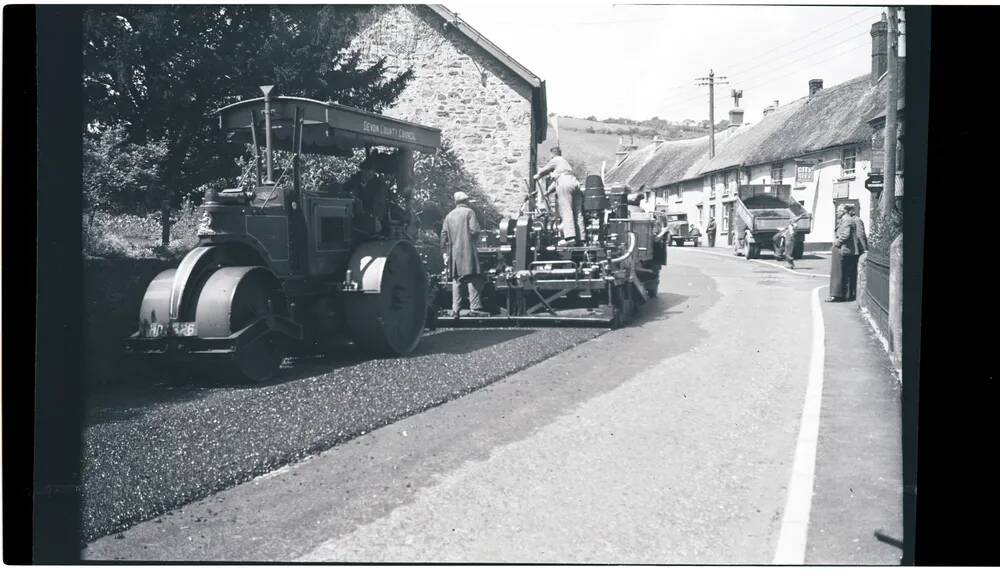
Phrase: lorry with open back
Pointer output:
(763, 210)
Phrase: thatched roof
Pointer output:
(832, 117)
(625, 171)
(666, 163)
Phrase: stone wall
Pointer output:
(482, 108)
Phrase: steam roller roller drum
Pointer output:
(387, 315)
(232, 299)
(155, 307)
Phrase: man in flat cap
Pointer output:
(569, 197)
(458, 243)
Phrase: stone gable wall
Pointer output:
(482, 108)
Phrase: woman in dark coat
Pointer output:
(837, 292)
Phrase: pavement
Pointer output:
(675, 440)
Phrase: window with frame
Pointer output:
(711, 187)
(701, 211)
(847, 160)
(777, 173)
(803, 172)
(711, 212)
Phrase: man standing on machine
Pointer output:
(569, 197)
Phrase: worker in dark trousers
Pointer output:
(569, 197)
(784, 243)
(710, 231)
(853, 242)
(458, 243)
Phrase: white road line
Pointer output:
(795, 521)
(766, 263)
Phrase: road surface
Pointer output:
(670, 441)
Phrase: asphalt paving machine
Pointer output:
(531, 280)
(278, 264)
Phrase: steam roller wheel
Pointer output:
(387, 316)
(234, 298)
(155, 306)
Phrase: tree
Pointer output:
(436, 177)
(157, 72)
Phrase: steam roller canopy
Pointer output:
(387, 316)
(234, 298)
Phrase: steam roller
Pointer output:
(279, 266)
(533, 280)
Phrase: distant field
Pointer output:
(591, 149)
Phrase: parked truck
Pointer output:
(680, 229)
(762, 210)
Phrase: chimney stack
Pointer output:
(814, 86)
(735, 117)
(880, 49)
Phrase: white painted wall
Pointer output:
(817, 195)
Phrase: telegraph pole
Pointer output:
(889, 192)
(711, 81)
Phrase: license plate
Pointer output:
(184, 329)
(154, 330)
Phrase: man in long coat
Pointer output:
(710, 231)
(837, 292)
(458, 243)
(569, 197)
(853, 242)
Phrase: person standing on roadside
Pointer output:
(710, 231)
(458, 243)
(853, 242)
(837, 292)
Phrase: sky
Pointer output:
(641, 60)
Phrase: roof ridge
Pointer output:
(478, 38)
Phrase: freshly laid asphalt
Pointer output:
(159, 446)
(669, 441)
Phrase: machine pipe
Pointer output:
(629, 250)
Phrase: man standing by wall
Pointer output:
(569, 197)
(458, 244)
(853, 242)
(710, 231)
(836, 263)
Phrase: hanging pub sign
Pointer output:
(875, 181)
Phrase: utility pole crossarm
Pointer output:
(711, 81)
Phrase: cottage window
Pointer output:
(847, 157)
(711, 187)
(711, 212)
(777, 174)
(803, 172)
(700, 214)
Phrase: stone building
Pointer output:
(491, 110)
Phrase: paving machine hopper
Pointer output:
(278, 264)
(532, 280)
